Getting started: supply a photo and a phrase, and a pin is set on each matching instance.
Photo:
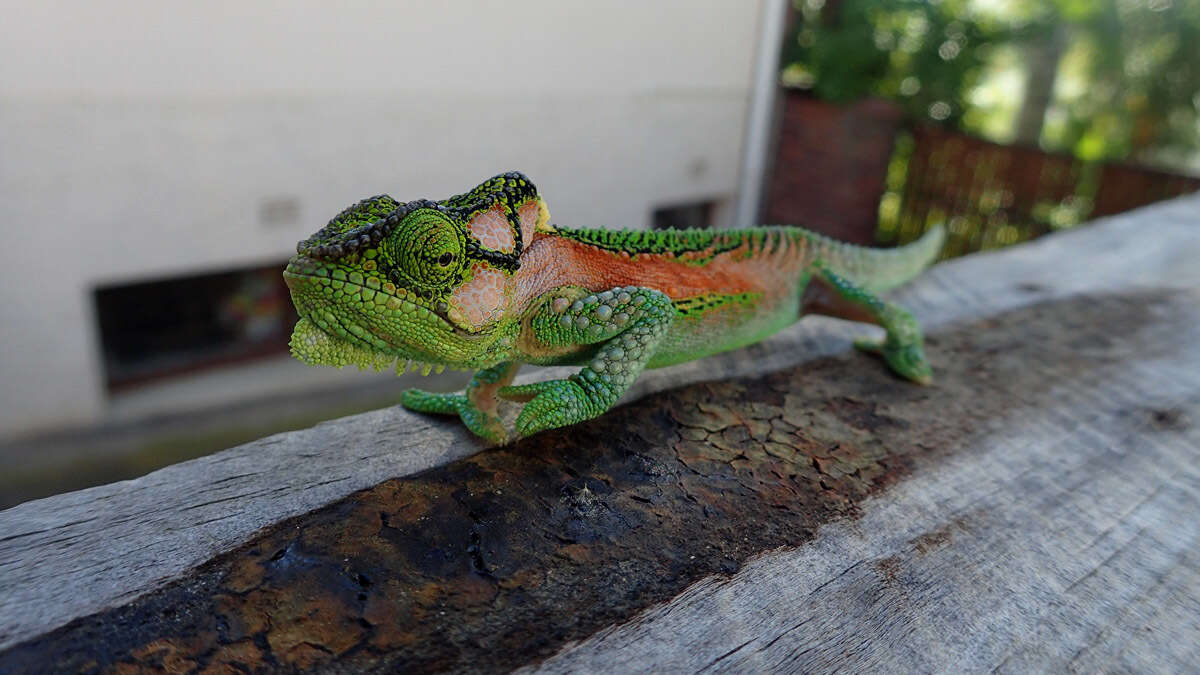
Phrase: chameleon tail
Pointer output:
(878, 269)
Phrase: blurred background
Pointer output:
(159, 161)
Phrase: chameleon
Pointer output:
(483, 281)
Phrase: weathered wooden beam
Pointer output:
(1060, 532)
(666, 500)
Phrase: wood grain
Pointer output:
(1065, 538)
(490, 561)
(97, 550)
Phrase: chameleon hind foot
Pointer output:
(903, 348)
(907, 360)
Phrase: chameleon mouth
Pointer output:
(305, 275)
(327, 336)
(315, 347)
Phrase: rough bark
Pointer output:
(1032, 507)
(1041, 72)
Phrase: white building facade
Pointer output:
(145, 140)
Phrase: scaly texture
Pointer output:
(482, 281)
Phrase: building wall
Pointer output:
(140, 139)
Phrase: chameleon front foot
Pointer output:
(626, 323)
(477, 421)
(907, 360)
(478, 407)
(551, 404)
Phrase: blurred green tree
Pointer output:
(1104, 79)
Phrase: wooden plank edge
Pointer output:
(1068, 541)
(119, 541)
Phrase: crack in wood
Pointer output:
(503, 557)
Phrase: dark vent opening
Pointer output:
(683, 216)
(167, 327)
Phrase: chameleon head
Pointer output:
(420, 281)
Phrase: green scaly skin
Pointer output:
(482, 281)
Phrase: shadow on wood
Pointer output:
(500, 559)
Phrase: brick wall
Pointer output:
(830, 165)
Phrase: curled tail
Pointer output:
(878, 269)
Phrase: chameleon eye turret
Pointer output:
(482, 280)
(425, 251)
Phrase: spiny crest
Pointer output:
(668, 241)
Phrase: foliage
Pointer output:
(1139, 78)
(1128, 80)
(924, 55)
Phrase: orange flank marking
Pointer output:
(552, 261)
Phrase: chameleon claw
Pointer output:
(908, 361)
(551, 404)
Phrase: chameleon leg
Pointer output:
(902, 348)
(627, 323)
(478, 406)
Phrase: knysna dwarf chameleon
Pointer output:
(484, 281)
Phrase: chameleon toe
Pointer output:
(421, 401)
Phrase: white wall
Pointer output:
(138, 139)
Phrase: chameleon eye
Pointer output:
(425, 251)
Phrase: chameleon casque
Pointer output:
(483, 281)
